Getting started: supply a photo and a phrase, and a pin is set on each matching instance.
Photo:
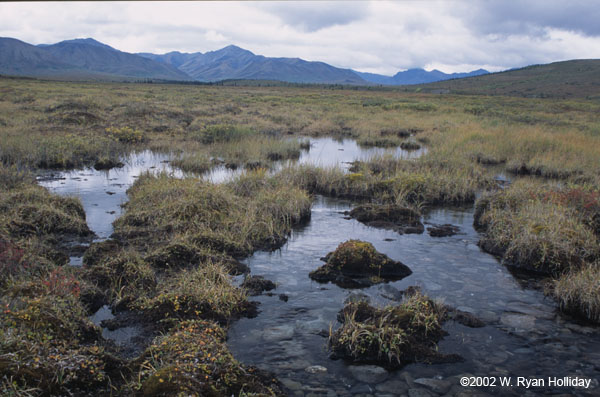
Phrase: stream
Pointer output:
(524, 336)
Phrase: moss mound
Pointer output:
(193, 359)
(392, 336)
(356, 263)
(34, 211)
(388, 216)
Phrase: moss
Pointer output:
(46, 340)
(193, 359)
(392, 336)
(356, 263)
(389, 216)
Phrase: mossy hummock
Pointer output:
(356, 264)
(389, 216)
(392, 336)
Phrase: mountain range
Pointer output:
(90, 59)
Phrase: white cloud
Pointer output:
(381, 37)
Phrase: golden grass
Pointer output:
(578, 292)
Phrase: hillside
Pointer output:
(233, 62)
(567, 79)
(20, 58)
(92, 55)
(416, 76)
(80, 59)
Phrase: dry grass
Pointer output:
(578, 292)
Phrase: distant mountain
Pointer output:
(22, 59)
(233, 62)
(92, 55)
(90, 59)
(578, 78)
(416, 76)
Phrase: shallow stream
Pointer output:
(525, 336)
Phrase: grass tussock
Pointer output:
(193, 359)
(204, 292)
(578, 292)
(392, 336)
(387, 180)
(47, 344)
(233, 218)
(538, 227)
(32, 210)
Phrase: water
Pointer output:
(327, 152)
(526, 336)
(324, 152)
(103, 192)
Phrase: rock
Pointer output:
(315, 369)
(278, 333)
(368, 373)
(391, 293)
(392, 386)
(518, 321)
(361, 389)
(407, 377)
(257, 284)
(437, 385)
(442, 230)
(465, 318)
(419, 393)
(356, 264)
(355, 297)
(390, 216)
(291, 384)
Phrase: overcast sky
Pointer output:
(380, 37)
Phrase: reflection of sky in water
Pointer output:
(120, 336)
(283, 337)
(103, 192)
(330, 152)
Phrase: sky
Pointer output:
(368, 36)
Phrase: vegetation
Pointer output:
(567, 79)
(356, 263)
(552, 229)
(168, 263)
(392, 336)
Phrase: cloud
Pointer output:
(380, 37)
(311, 16)
(532, 17)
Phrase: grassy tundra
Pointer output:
(179, 240)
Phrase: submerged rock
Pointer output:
(368, 373)
(442, 230)
(256, 285)
(356, 264)
(389, 216)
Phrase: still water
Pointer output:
(524, 335)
